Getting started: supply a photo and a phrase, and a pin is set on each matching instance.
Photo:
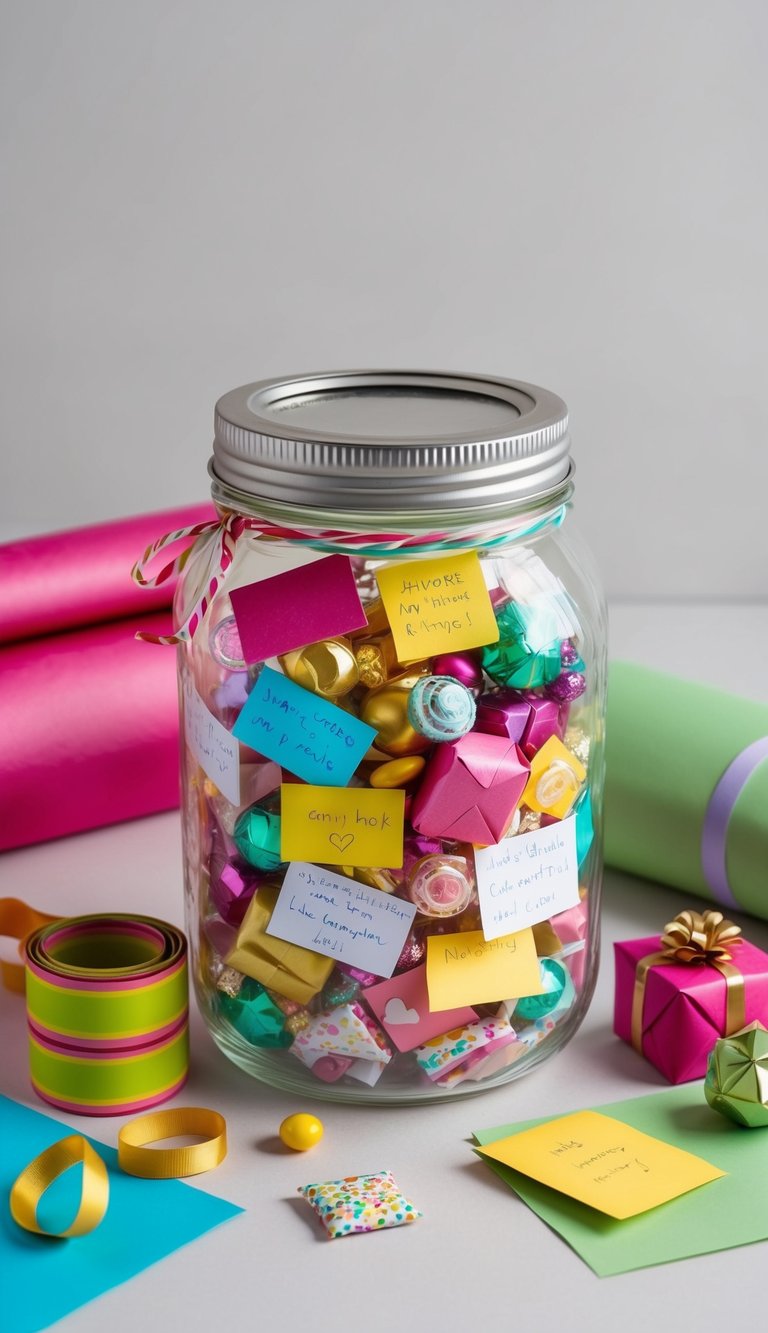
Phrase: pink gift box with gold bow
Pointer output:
(675, 1016)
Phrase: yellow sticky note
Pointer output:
(342, 826)
(467, 968)
(603, 1162)
(437, 606)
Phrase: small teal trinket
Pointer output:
(528, 651)
(257, 837)
(255, 1016)
(441, 708)
(555, 979)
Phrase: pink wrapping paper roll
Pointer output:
(83, 576)
(89, 728)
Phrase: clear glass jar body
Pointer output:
(544, 686)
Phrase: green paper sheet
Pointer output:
(668, 742)
(702, 1222)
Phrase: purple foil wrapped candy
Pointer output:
(505, 713)
(570, 685)
(471, 789)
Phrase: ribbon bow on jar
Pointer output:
(700, 939)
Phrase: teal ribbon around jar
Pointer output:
(107, 1012)
(686, 799)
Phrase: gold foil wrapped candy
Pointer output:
(286, 968)
(386, 710)
(327, 668)
(397, 772)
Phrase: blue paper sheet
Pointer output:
(44, 1279)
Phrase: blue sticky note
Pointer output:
(45, 1279)
(302, 732)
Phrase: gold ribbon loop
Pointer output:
(698, 939)
(18, 920)
(170, 1163)
(30, 1186)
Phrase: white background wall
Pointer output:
(568, 191)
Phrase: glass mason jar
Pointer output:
(392, 685)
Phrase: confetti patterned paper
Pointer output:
(360, 1203)
(346, 1030)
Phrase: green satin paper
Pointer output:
(668, 743)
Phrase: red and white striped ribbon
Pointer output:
(231, 527)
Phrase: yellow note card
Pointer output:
(342, 826)
(603, 1162)
(467, 968)
(437, 606)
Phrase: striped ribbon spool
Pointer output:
(107, 1010)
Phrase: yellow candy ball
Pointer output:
(301, 1131)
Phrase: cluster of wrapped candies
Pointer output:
(487, 744)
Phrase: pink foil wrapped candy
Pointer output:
(462, 667)
(470, 789)
(505, 713)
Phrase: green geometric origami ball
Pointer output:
(737, 1077)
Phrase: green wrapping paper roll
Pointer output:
(686, 799)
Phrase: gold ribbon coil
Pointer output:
(30, 1186)
(169, 1163)
(698, 939)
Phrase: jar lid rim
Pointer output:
(375, 439)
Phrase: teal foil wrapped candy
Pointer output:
(441, 708)
(528, 651)
(257, 837)
(255, 1016)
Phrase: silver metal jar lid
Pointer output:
(392, 440)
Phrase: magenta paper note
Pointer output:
(89, 726)
(685, 1006)
(402, 1007)
(65, 579)
(316, 601)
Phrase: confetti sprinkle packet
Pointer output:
(359, 1203)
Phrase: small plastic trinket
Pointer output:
(441, 885)
(226, 648)
(441, 708)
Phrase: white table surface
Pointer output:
(478, 1257)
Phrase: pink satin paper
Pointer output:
(89, 726)
(83, 576)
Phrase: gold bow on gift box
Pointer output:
(703, 939)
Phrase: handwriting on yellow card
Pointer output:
(603, 1162)
(437, 606)
(342, 826)
(468, 969)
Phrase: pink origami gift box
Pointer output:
(684, 1005)
(471, 789)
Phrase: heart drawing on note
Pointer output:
(396, 1012)
(341, 840)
